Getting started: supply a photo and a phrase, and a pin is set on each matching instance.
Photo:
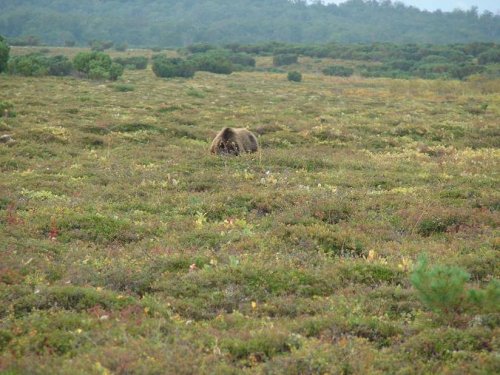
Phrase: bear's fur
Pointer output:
(234, 141)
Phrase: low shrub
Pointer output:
(440, 288)
(285, 59)
(124, 88)
(294, 76)
(68, 298)
(168, 67)
(443, 289)
(97, 65)
(338, 70)
(59, 66)
(213, 62)
(29, 65)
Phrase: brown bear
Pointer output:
(234, 141)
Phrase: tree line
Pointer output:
(175, 23)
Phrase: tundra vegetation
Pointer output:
(126, 248)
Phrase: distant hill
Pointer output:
(174, 23)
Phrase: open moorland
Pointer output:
(126, 248)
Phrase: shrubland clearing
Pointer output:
(128, 249)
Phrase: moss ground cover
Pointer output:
(127, 248)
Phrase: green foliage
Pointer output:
(294, 76)
(490, 56)
(213, 61)
(440, 288)
(165, 23)
(486, 300)
(429, 226)
(115, 71)
(167, 67)
(264, 345)
(97, 65)
(120, 231)
(338, 70)
(4, 54)
(37, 64)
(285, 59)
(29, 65)
(443, 289)
(59, 66)
(132, 62)
(84, 62)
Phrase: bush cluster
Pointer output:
(204, 58)
(97, 65)
(36, 64)
(93, 65)
(168, 67)
(456, 61)
(212, 61)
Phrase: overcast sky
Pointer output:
(447, 5)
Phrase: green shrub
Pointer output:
(59, 66)
(440, 288)
(490, 56)
(115, 71)
(486, 300)
(166, 67)
(294, 76)
(36, 64)
(285, 59)
(433, 225)
(4, 54)
(213, 61)
(69, 298)
(29, 65)
(84, 62)
(97, 65)
(265, 344)
(133, 62)
(338, 70)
